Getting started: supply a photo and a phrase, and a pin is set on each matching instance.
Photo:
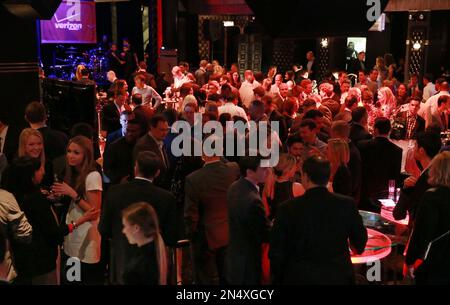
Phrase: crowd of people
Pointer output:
(122, 214)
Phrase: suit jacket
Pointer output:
(205, 208)
(11, 143)
(314, 70)
(401, 133)
(354, 165)
(248, 230)
(143, 115)
(411, 197)
(55, 142)
(112, 137)
(310, 239)
(358, 65)
(358, 133)
(381, 162)
(118, 160)
(110, 118)
(342, 182)
(120, 197)
(333, 105)
(432, 221)
(435, 119)
(278, 100)
(147, 143)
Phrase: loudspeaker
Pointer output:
(32, 9)
(212, 29)
(69, 103)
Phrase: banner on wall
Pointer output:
(73, 22)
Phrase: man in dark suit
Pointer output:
(248, 225)
(381, 162)
(111, 114)
(341, 130)
(411, 123)
(311, 66)
(311, 234)
(118, 156)
(358, 129)
(9, 137)
(119, 197)
(125, 116)
(206, 218)
(359, 64)
(55, 141)
(428, 146)
(153, 141)
(142, 113)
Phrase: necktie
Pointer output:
(444, 121)
(164, 155)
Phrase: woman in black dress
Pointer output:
(36, 263)
(427, 258)
(279, 186)
(339, 156)
(148, 266)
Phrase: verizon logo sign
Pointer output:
(73, 13)
(69, 26)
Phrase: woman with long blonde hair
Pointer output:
(387, 101)
(83, 185)
(141, 227)
(279, 186)
(339, 156)
(78, 75)
(31, 144)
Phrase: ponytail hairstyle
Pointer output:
(285, 164)
(144, 216)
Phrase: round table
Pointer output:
(378, 247)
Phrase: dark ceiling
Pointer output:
(311, 18)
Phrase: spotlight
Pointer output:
(228, 24)
(324, 42)
(417, 46)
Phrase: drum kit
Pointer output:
(95, 60)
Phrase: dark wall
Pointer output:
(103, 13)
(18, 65)
(129, 24)
(438, 59)
(188, 38)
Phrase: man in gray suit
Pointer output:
(248, 225)
(206, 217)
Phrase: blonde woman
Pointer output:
(387, 101)
(78, 75)
(339, 156)
(31, 144)
(83, 185)
(279, 186)
(149, 264)
(429, 265)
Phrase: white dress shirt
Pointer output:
(233, 110)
